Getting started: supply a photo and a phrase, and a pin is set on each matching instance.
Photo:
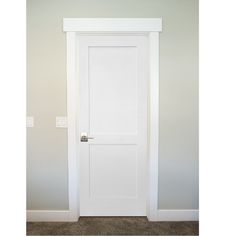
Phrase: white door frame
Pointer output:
(102, 26)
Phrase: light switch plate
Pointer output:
(61, 122)
(29, 121)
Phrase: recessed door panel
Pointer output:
(106, 181)
(113, 109)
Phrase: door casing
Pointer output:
(74, 27)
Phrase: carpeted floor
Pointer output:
(112, 226)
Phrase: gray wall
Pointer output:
(47, 179)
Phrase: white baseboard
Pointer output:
(47, 215)
(162, 215)
(178, 215)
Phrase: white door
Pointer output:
(113, 85)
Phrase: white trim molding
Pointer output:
(73, 192)
(177, 215)
(48, 215)
(152, 201)
(112, 24)
(103, 26)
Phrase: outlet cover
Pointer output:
(29, 121)
(61, 122)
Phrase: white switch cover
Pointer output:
(29, 121)
(61, 122)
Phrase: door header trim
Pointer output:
(112, 24)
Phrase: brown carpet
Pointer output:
(112, 226)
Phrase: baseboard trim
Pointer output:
(177, 215)
(46, 215)
(66, 216)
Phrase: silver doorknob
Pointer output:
(84, 137)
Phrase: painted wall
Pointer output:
(47, 175)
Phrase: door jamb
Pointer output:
(150, 26)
